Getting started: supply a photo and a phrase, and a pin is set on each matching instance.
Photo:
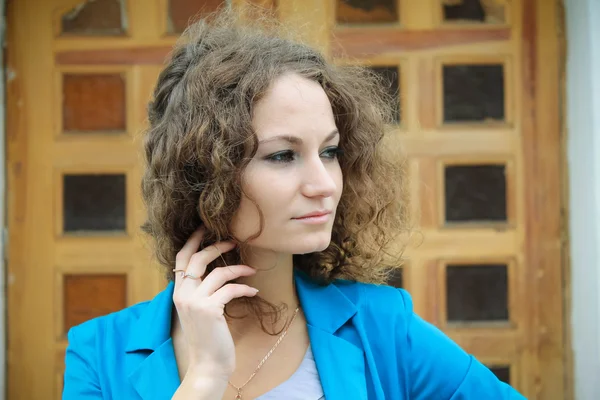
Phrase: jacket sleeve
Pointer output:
(439, 369)
(80, 378)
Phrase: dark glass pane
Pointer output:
(184, 12)
(90, 296)
(94, 103)
(502, 372)
(390, 79)
(366, 11)
(473, 93)
(96, 18)
(396, 279)
(477, 293)
(491, 12)
(475, 193)
(94, 203)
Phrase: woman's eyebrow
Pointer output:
(296, 139)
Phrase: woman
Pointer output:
(271, 204)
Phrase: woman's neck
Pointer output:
(274, 280)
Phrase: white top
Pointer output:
(304, 384)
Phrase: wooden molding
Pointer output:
(543, 205)
(347, 42)
(124, 56)
(369, 42)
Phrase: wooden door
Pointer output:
(477, 89)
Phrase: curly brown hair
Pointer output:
(200, 140)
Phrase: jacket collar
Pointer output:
(340, 363)
(325, 306)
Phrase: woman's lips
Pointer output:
(315, 218)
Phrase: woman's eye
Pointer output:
(282, 156)
(289, 156)
(332, 152)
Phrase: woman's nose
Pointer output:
(318, 179)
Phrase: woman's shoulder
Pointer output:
(436, 366)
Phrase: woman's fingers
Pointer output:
(233, 291)
(191, 261)
(182, 259)
(200, 260)
(189, 248)
(220, 276)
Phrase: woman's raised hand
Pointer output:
(200, 301)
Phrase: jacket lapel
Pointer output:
(340, 363)
(154, 373)
(157, 376)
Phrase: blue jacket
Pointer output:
(366, 340)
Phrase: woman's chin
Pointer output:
(304, 244)
(312, 247)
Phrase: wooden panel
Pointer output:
(489, 343)
(491, 190)
(95, 18)
(457, 141)
(473, 93)
(487, 97)
(94, 102)
(155, 55)
(86, 267)
(474, 11)
(59, 386)
(429, 193)
(457, 306)
(477, 292)
(80, 150)
(121, 204)
(470, 242)
(182, 12)
(90, 296)
(427, 93)
(75, 252)
(541, 143)
(60, 369)
(94, 203)
(475, 193)
(365, 42)
(502, 372)
(369, 11)
(19, 170)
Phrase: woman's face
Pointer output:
(295, 172)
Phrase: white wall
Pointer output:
(583, 141)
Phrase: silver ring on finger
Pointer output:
(179, 270)
(191, 276)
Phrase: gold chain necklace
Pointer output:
(260, 364)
